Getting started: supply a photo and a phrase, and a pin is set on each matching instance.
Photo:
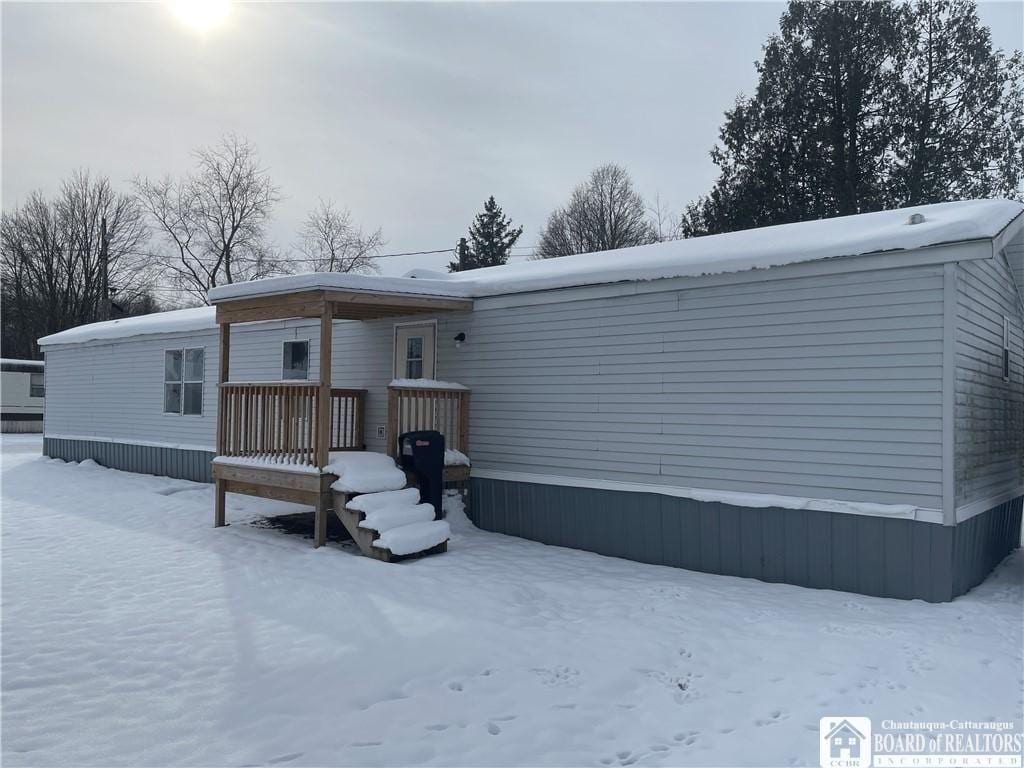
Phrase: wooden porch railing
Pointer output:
(347, 417)
(443, 410)
(277, 421)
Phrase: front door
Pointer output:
(414, 351)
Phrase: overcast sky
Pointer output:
(409, 115)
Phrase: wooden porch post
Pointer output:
(323, 419)
(223, 372)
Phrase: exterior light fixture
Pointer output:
(459, 338)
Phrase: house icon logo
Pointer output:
(845, 742)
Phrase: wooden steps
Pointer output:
(364, 537)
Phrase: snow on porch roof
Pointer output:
(750, 249)
(763, 248)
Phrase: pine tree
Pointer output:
(490, 239)
(862, 106)
(962, 112)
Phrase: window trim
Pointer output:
(1004, 361)
(182, 382)
(309, 347)
(31, 386)
(394, 345)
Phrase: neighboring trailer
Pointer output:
(21, 395)
(853, 423)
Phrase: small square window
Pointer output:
(296, 360)
(35, 385)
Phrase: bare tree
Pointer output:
(664, 222)
(51, 261)
(603, 214)
(213, 221)
(331, 242)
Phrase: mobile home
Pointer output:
(21, 395)
(836, 404)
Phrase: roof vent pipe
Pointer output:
(916, 218)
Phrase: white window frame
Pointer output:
(182, 382)
(1004, 360)
(309, 347)
(32, 387)
(394, 345)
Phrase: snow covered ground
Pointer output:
(135, 634)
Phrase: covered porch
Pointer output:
(276, 439)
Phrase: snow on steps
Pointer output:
(416, 537)
(385, 519)
(391, 524)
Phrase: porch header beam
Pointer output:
(348, 305)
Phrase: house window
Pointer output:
(35, 385)
(1006, 348)
(296, 360)
(183, 381)
(414, 357)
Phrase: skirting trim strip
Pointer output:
(756, 500)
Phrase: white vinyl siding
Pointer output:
(16, 392)
(114, 390)
(826, 386)
(989, 445)
(1015, 257)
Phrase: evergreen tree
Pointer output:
(962, 112)
(862, 106)
(490, 239)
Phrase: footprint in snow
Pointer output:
(454, 686)
(437, 727)
(285, 758)
(493, 729)
(773, 717)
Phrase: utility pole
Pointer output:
(463, 253)
(104, 273)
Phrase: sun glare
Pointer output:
(201, 15)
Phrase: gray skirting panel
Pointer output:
(879, 556)
(148, 459)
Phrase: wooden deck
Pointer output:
(281, 434)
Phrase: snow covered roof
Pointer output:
(867, 233)
(175, 321)
(763, 248)
(750, 249)
(15, 361)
